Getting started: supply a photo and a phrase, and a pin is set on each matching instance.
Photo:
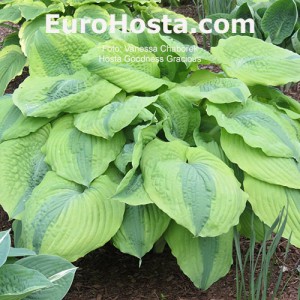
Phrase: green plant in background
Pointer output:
(259, 264)
(96, 147)
(210, 8)
(33, 277)
(275, 21)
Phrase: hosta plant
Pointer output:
(34, 276)
(137, 145)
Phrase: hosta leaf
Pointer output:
(145, 39)
(224, 90)
(20, 252)
(267, 201)
(92, 12)
(275, 97)
(56, 269)
(18, 282)
(275, 170)
(10, 13)
(51, 223)
(124, 158)
(261, 126)
(4, 246)
(184, 116)
(123, 68)
(142, 226)
(49, 96)
(12, 62)
(279, 20)
(159, 13)
(219, 90)
(77, 3)
(203, 260)
(256, 62)
(201, 76)
(28, 30)
(77, 156)
(113, 117)
(13, 124)
(31, 9)
(131, 188)
(56, 54)
(192, 53)
(132, 191)
(23, 171)
(192, 186)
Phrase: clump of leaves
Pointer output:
(96, 147)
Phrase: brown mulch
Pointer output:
(107, 274)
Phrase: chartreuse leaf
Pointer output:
(56, 269)
(256, 62)
(159, 13)
(201, 76)
(124, 158)
(224, 90)
(78, 156)
(4, 246)
(275, 97)
(10, 13)
(18, 282)
(268, 200)
(261, 126)
(13, 124)
(51, 223)
(23, 171)
(49, 96)
(187, 49)
(125, 67)
(32, 9)
(77, 3)
(203, 260)
(157, 46)
(12, 62)
(192, 186)
(275, 170)
(56, 54)
(113, 117)
(142, 226)
(28, 30)
(184, 116)
(131, 189)
(279, 20)
(218, 90)
(91, 12)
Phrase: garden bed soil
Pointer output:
(109, 274)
